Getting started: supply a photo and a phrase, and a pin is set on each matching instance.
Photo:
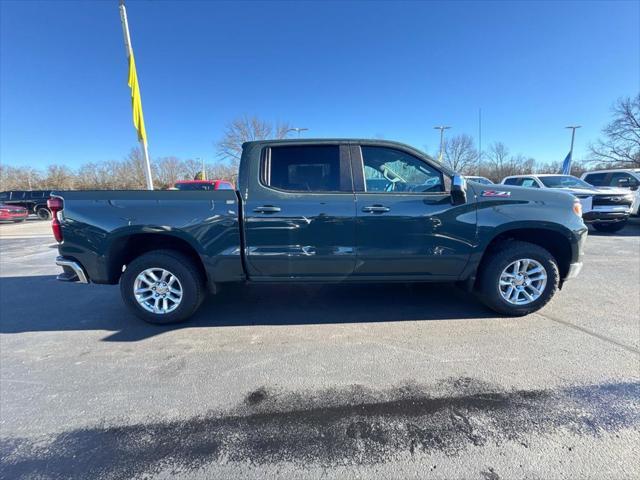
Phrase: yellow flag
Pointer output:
(136, 100)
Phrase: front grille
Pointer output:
(612, 200)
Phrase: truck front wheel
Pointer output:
(518, 278)
(162, 287)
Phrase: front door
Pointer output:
(406, 225)
(300, 217)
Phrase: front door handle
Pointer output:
(267, 209)
(375, 209)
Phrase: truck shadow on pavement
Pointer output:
(59, 307)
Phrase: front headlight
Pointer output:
(577, 208)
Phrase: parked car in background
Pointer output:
(206, 185)
(607, 209)
(304, 212)
(619, 177)
(35, 201)
(478, 179)
(12, 213)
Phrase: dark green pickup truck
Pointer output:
(322, 211)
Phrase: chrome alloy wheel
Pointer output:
(523, 281)
(158, 290)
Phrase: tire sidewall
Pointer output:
(491, 279)
(191, 286)
(43, 216)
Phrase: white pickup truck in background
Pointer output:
(627, 178)
(606, 208)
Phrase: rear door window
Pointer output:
(305, 168)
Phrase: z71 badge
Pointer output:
(495, 193)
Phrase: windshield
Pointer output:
(564, 181)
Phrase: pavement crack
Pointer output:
(628, 348)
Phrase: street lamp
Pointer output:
(297, 129)
(442, 128)
(566, 167)
(573, 135)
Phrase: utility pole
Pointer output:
(442, 128)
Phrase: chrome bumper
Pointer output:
(574, 270)
(73, 271)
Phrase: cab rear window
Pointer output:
(307, 168)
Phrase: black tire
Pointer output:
(609, 227)
(43, 213)
(501, 257)
(193, 291)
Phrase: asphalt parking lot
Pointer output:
(373, 381)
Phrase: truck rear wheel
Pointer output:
(518, 278)
(162, 287)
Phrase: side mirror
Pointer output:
(458, 190)
(624, 182)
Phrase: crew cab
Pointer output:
(607, 209)
(322, 211)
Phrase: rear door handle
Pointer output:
(267, 209)
(375, 209)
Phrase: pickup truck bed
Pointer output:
(322, 211)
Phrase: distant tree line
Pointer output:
(618, 147)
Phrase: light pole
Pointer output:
(442, 128)
(297, 129)
(573, 135)
(566, 167)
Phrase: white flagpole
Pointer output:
(127, 46)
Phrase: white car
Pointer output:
(607, 209)
(617, 177)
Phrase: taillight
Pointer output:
(56, 205)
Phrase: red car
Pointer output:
(12, 213)
(204, 185)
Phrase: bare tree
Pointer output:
(460, 154)
(621, 145)
(59, 177)
(169, 171)
(246, 129)
(500, 163)
(192, 168)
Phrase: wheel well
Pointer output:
(554, 242)
(127, 249)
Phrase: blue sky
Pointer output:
(360, 69)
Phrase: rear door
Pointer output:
(407, 226)
(300, 213)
